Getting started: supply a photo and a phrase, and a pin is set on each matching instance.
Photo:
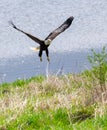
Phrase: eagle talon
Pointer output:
(48, 59)
(40, 58)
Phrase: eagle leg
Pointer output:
(47, 54)
(40, 54)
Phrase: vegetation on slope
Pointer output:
(71, 101)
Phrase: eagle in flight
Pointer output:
(44, 44)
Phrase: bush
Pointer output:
(99, 65)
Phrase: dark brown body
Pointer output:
(43, 47)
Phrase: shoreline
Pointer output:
(29, 66)
(72, 100)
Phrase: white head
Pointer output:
(47, 42)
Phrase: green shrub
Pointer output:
(99, 65)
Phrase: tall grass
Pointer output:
(25, 106)
(54, 102)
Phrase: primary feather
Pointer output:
(60, 29)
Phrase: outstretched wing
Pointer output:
(29, 35)
(60, 29)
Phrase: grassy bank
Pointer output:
(66, 102)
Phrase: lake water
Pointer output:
(39, 17)
(26, 67)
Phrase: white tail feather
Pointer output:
(34, 48)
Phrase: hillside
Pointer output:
(64, 102)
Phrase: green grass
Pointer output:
(54, 120)
(69, 102)
(41, 120)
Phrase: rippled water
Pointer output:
(40, 17)
(25, 67)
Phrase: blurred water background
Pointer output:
(39, 17)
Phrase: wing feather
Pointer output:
(29, 35)
(60, 29)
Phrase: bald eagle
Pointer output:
(44, 44)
